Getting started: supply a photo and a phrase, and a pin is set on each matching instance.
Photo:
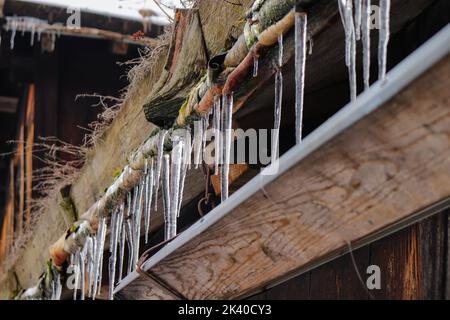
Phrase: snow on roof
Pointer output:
(125, 9)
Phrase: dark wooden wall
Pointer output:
(76, 66)
(413, 264)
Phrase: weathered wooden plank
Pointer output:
(147, 289)
(389, 165)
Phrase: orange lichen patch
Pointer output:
(138, 35)
(57, 252)
(208, 99)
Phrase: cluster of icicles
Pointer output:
(356, 19)
(169, 169)
(357, 25)
(35, 26)
(165, 170)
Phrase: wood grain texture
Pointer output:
(146, 289)
(389, 165)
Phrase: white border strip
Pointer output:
(379, 93)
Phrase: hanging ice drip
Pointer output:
(116, 227)
(198, 142)
(98, 263)
(149, 184)
(122, 244)
(137, 218)
(175, 180)
(278, 101)
(90, 261)
(255, 65)
(301, 21)
(56, 287)
(226, 132)
(346, 12)
(385, 8)
(129, 233)
(23, 25)
(365, 30)
(166, 195)
(217, 133)
(159, 162)
(186, 160)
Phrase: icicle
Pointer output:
(366, 11)
(301, 21)
(56, 288)
(310, 46)
(133, 213)
(53, 39)
(177, 154)
(122, 250)
(385, 8)
(198, 143)
(53, 297)
(346, 11)
(255, 66)
(159, 160)
(13, 33)
(76, 265)
(278, 100)
(358, 16)
(90, 258)
(129, 233)
(134, 209)
(149, 196)
(99, 245)
(101, 249)
(352, 72)
(217, 130)
(115, 221)
(137, 221)
(82, 264)
(205, 122)
(189, 145)
(227, 114)
(166, 194)
(277, 113)
(280, 50)
(33, 30)
(111, 237)
(185, 161)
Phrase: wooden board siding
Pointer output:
(392, 163)
(422, 277)
(17, 210)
